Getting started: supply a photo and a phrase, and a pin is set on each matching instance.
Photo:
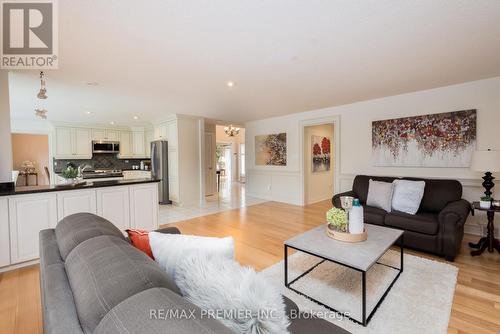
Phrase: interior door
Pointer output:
(210, 173)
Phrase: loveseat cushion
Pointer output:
(158, 311)
(104, 271)
(426, 223)
(438, 193)
(361, 184)
(74, 229)
(373, 215)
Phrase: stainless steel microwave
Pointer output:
(99, 146)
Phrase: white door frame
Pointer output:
(335, 120)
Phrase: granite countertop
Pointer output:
(86, 185)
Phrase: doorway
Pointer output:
(30, 159)
(319, 162)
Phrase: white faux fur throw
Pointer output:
(239, 298)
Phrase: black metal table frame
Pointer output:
(365, 320)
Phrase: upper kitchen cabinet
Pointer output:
(126, 144)
(139, 144)
(160, 132)
(105, 134)
(73, 143)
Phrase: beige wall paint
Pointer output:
(5, 140)
(34, 148)
(318, 186)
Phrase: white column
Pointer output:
(5, 134)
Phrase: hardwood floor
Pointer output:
(259, 232)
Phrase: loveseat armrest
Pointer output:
(169, 230)
(451, 227)
(455, 212)
(336, 198)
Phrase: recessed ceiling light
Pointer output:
(135, 117)
(91, 83)
(230, 84)
(88, 112)
(112, 123)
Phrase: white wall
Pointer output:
(318, 186)
(5, 136)
(284, 183)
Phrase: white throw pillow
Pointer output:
(380, 195)
(407, 195)
(168, 249)
(238, 297)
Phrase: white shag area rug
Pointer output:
(419, 302)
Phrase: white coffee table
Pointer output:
(360, 256)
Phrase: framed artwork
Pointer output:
(270, 150)
(320, 153)
(436, 140)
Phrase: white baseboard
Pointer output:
(19, 265)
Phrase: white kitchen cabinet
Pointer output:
(105, 134)
(126, 144)
(4, 233)
(138, 144)
(113, 203)
(160, 132)
(28, 214)
(73, 143)
(74, 201)
(149, 139)
(143, 208)
(64, 143)
(112, 135)
(82, 143)
(98, 134)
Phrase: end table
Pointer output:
(489, 240)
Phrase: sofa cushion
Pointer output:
(407, 195)
(74, 229)
(361, 184)
(380, 195)
(305, 324)
(104, 271)
(426, 223)
(438, 193)
(373, 215)
(153, 311)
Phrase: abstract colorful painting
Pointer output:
(320, 151)
(270, 150)
(436, 140)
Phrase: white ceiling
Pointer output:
(154, 58)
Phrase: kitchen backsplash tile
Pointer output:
(100, 161)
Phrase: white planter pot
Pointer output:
(485, 204)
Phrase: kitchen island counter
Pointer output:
(85, 185)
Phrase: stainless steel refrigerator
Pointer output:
(159, 168)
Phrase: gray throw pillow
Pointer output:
(407, 195)
(380, 195)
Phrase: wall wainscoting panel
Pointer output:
(278, 186)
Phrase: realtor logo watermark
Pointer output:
(29, 34)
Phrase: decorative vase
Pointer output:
(485, 204)
(356, 219)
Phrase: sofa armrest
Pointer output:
(169, 230)
(336, 198)
(455, 212)
(451, 227)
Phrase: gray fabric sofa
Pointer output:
(94, 281)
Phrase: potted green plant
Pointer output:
(485, 202)
(337, 219)
(70, 174)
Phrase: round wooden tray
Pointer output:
(346, 237)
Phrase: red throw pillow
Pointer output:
(140, 240)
